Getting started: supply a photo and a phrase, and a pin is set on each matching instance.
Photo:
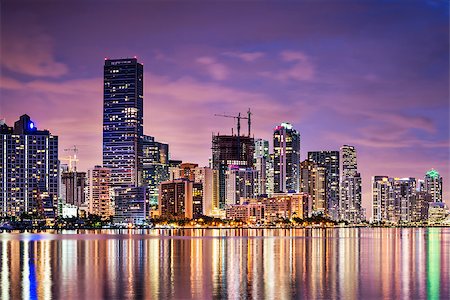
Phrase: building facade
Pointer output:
(240, 184)
(176, 199)
(313, 182)
(286, 150)
(329, 160)
(230, 150)
(350, 201)
(123, 120)
(262, 164)
(433, 185)
(29, 170)
(100, 192)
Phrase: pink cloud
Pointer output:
(30, 52)
(301, 69)
(245, 56)
(217, 70)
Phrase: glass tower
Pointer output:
(123, 120)
(286, 149)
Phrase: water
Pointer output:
(345, 263)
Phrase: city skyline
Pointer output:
(410, 126)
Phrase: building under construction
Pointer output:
(234, 149)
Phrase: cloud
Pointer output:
(301, 68)
(30, 52)
(217, 70)
(245, 56)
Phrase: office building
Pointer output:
(313, 182)
(394, 200)
(240, 184)
(123, 136)
(433, 185)
(29, 170)
(383, 208)
(123, 121)
(155, 166)
(73, 186)
(350, 207)
(230, 150)
(286, 150)
(130, 205)
(261, 164)
(100, 193)
(176, 199)
(329, 160)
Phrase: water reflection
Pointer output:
(204, 264)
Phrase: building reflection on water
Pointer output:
(251, 263)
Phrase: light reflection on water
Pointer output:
(344, 263)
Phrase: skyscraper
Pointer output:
(286, 146)
(28, 169)
(239, 184)
(313, 182)
(155, 166)
(394, 199)
(230, 150)
(350, 208)
(123, 120)
(329, 160)
(261, 157)
(433, 185)
(123, 136)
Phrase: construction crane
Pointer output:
(238, 118)
(72, 159)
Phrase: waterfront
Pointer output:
(341, 263)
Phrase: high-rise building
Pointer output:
(123, 136)
(155, 166)
(404, 198)
(261, 157)
(383, 208)
(329, 160)
(123, 120)
(350, 207)
(239, 184)
(286, 150)
(394, 199)
(73, 186)
(176, 199)
(205, 184)
(28, 170)
(433, 185)
(230, 150)
(313, 183)
(100, 192)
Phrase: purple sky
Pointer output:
(372, 74)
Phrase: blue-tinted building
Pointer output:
(122, 136)
(28, 170)
(123, 120)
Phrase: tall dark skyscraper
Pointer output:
(28, 169)
(286, 150)
(329, 160)
(123, 136)
(123, 120)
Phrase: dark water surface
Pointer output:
(344, 263)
